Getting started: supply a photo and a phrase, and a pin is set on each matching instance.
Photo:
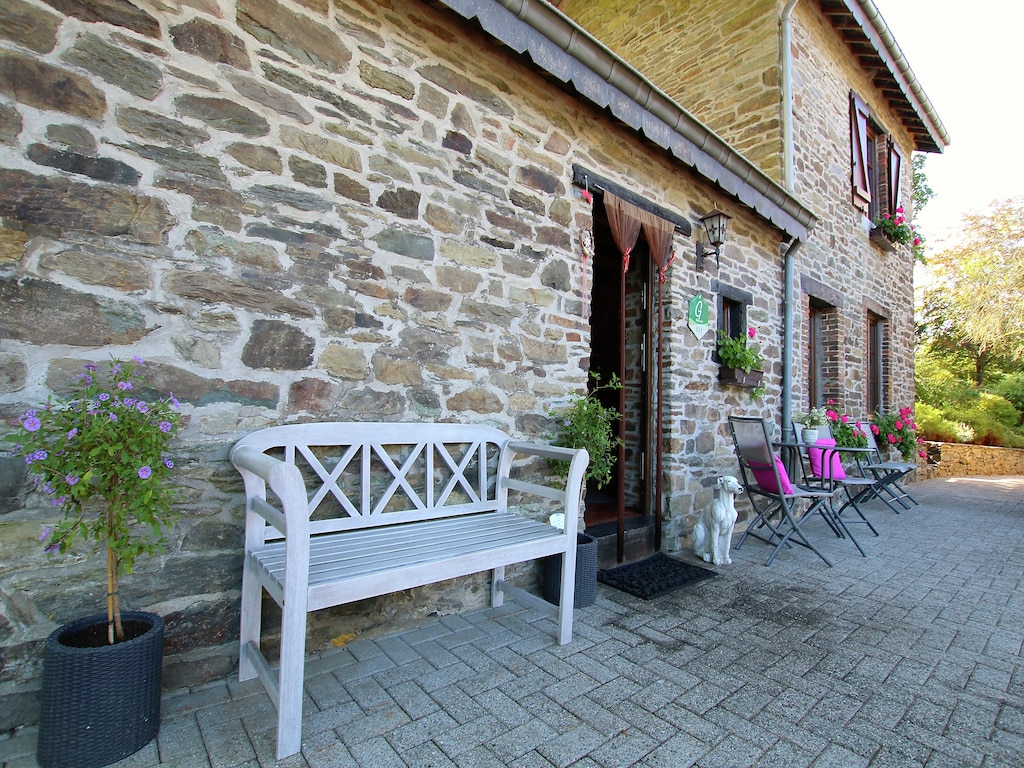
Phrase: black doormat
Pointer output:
(653, 576)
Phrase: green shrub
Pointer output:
(933, 425)
(1012, 388)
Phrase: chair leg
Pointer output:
(794, 529)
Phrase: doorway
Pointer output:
(624, 317)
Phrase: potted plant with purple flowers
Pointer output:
(100, 454)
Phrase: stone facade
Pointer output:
(315, 210)
(724, 63)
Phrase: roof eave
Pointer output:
(565, 51)
(862, 27)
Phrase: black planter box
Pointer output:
(740, 378)
(586, 573)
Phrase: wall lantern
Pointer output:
(714, 224)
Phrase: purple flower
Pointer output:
(104, 396)
(168, 463)
(116, 369)
(129, 402)
(113, 416)
(90, 366)
(71, 479)
(145, 472)
(138, 359)
(165, 426)
(32, 424)
(72, 432)
(36, 456)
(124, 385)
(174, 402)
(85, 377)
(45, 533)
(141, 407)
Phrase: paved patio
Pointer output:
(909, 657)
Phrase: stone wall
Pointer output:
(719, 59)
(298, 211)
(964, 460)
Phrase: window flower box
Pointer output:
(879, 237)
(740, 378)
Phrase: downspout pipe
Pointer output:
(786, 55)
(788, 351)
(789, 269)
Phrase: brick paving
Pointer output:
(908, 657)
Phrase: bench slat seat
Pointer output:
(455, 546)
(343, 511)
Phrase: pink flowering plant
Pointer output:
(741, 352)
(898, 230)
(846, 431)
(101, 457)
(899, 431)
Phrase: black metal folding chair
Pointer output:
(888, 474)
(772, 494)
(827, 467)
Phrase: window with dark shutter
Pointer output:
(861, 155)
(895, 163)
(876, 163)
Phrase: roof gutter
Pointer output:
(567, 52)
(903, 74)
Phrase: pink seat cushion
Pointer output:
(766, 478)
(815, 456)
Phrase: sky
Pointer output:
(969, 59)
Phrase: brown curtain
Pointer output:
(624, 223)
(659, 234)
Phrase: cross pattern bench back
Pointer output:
(341, 511)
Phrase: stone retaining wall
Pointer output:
(964, 460)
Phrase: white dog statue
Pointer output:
(712, 536)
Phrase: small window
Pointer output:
(732, 310)
(816, 357)
(876, 363)
(732, 319)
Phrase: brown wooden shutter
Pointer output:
(895, 165)
(859, 151)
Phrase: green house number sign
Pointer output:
(699, 317)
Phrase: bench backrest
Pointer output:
(363, 474)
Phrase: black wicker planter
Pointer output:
(100, 703)
(586, 573)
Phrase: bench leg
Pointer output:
(251, 621)
(567, 597)
(497, 595)
(293, 657)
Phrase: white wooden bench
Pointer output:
(338, 512)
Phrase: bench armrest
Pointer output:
(568, 496)
(260, 471)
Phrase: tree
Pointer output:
(922, 191)
(974, 308)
